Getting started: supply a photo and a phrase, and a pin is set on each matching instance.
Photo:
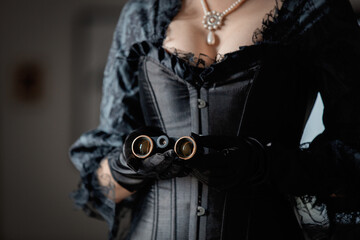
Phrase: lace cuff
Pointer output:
(92, 198)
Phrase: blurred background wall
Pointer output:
(52, 55)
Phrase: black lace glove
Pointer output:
(132, 172)
(228, 162)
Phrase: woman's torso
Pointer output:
(180, 99)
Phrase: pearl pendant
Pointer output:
(212, 20)
(211, 38)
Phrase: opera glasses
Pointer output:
(143, 145)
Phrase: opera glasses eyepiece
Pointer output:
(142, 146)
(185, 147)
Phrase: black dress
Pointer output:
(265, 91)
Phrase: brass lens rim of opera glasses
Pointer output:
(142, 146)
(185, 147)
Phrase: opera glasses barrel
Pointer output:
(143, 146)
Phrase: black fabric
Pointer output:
(304, 47)
(231, 163)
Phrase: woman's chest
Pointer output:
(186, 30)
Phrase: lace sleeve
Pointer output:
(339, 60)
(120, 114)
(329, 168)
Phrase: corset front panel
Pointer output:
(180, 99)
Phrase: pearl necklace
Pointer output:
(213, 20)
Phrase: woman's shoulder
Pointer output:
(308, 12)
(138, 4)
(322, 6)
(134, 24)
(137, 12)
(297, 18)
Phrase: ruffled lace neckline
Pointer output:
(202, 60)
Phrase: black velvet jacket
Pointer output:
(266, 91)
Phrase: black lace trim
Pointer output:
(321, 217)
(269, 20)
(201, 61)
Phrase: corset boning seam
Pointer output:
(146, 78)
(223, 217)
(173, 209)
(257, 71)
(156, 211)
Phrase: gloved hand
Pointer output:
(228, 161)
(132, 172)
